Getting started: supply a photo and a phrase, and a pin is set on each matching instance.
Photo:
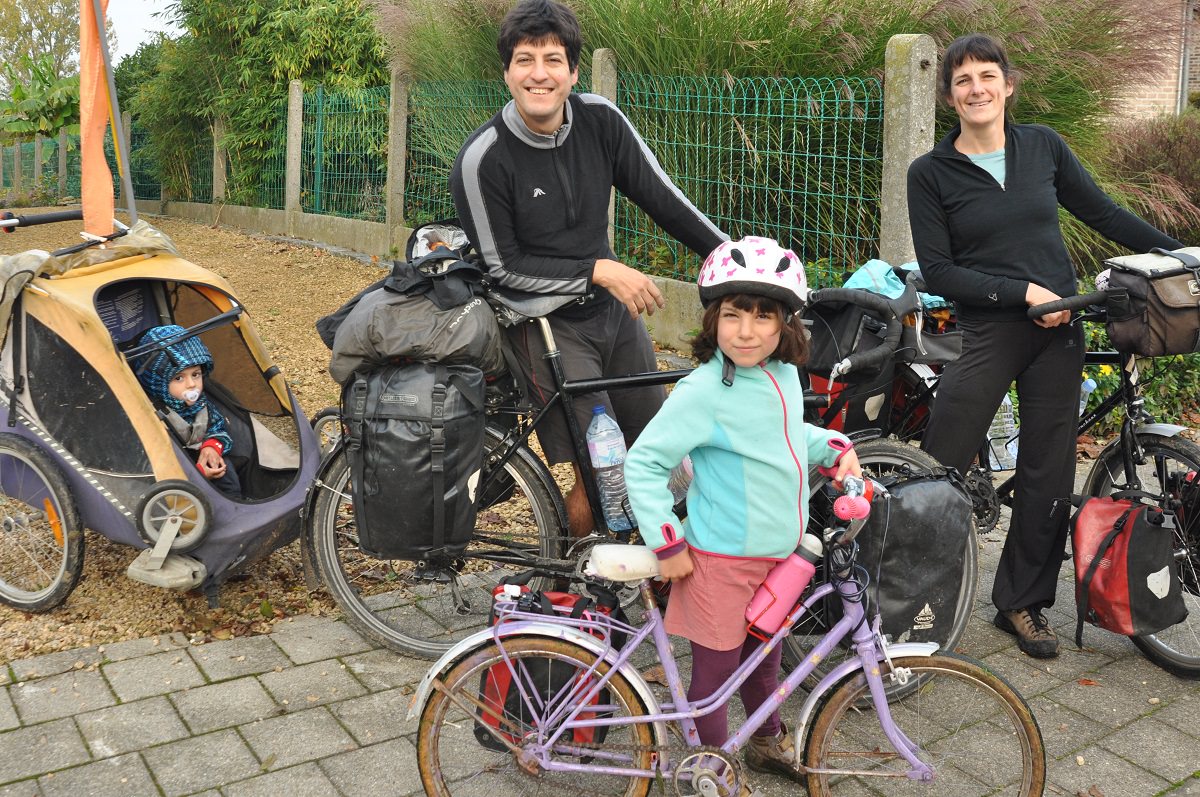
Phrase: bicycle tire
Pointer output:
(449, 750)
(41, 536)
(1171, 474)
(327, 425)
(879, 457)
(992, 745)
(389, 601)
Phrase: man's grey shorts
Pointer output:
(610, 343)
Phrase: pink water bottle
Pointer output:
(783, 587)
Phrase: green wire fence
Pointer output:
(344, 159)
(143, 166)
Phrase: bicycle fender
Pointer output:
(839, 674)
(552, 631)
(1160, 429)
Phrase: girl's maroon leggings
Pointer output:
(712, 668)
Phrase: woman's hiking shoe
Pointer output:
(1034, 635)
(773, 754)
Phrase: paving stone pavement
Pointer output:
(314, 709)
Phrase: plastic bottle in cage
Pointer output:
(606, 449)
(1085, 390)
(681, 477)
(1002, 438)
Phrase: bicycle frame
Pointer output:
(571, 701)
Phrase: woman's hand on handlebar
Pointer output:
(629, 286)
(1034, 295)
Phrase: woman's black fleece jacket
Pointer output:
(980, 243)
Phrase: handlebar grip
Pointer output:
(851, 507)
(52, 217)
(1069, 303)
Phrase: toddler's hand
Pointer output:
(211, 465)
(676, 567)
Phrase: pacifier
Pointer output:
(191, 395)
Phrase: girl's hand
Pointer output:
(676, 567)
(848, 466)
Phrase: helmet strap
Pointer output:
(728, 372)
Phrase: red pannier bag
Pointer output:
(1126, 576)
(549, 678)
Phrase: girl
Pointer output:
(740, 417)
(983, 207)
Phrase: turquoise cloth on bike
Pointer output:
(750, 450)
(877, 276)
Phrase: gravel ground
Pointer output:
(285, 288)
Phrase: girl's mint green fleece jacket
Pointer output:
(750, 450)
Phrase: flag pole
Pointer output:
(114, 110)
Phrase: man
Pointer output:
(531, 187)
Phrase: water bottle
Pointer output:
(1002, 438)
(680, 479)
(1085, 390)
(783, 586)
(606, 448)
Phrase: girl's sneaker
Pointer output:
(773, 754)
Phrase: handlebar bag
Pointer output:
(415, 446)
(1126, 576)
(838, 330)
(1163, 313)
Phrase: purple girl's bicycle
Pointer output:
(579, 718)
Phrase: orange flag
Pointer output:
(94, 111)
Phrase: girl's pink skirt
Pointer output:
(709, 606)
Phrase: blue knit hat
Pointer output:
(158, 368)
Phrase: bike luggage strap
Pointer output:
(18, 351)
(437, 459)
(1189, 261)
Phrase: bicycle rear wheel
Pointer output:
(1171, 474)
(978, 733)
(456, 753)
(880, 459)
(41, 537)
(424, 609)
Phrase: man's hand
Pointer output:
(1036, 294)
(212, 466)
(676, 567)
(631, 287)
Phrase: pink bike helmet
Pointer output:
(756, 266)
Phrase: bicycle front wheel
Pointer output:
(975, 730)
(423, 610)
(881, 459)
(41, 538)
(457, 754)
(1170, 473)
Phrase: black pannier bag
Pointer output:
(912, 547)
(414, 443)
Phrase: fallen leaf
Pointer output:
(1088, 682)
(655, 675)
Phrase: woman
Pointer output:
(983, 206)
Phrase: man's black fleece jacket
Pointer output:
(981, 244)
(536, 206)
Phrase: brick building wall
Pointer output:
(1162, 95)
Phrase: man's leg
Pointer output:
(579, 509)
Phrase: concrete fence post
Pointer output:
(604, 83)
(126, 134)
(37, 159)
(397, 158)
(62, 163)
(219, 161)
(909, 94)
(291, 180)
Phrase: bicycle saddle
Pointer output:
(515, 307)
(622, 563)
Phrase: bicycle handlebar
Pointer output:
(8, 221)
(1071, 303)
(889, 310)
